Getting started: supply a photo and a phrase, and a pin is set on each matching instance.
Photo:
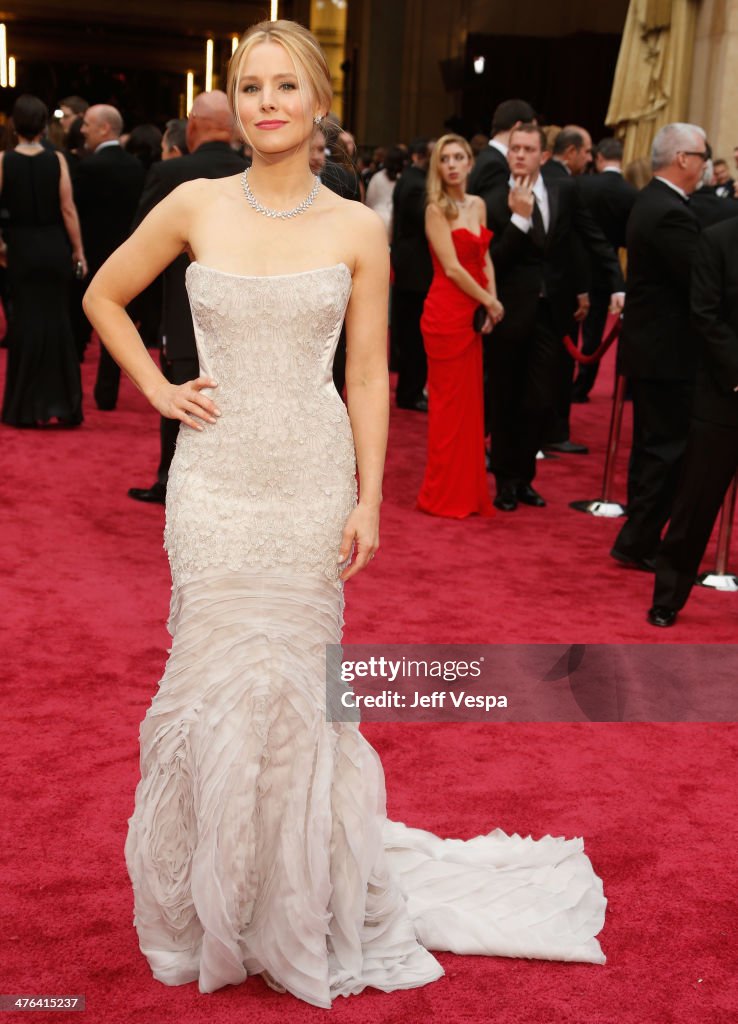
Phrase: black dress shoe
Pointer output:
(156, 494)
(506, 500)
(567, 448)
(528, 496)
(661, 616)
(643, 564)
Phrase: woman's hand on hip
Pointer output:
(186, 402)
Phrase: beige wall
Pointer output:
(714, 94)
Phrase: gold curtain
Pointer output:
(653, 73)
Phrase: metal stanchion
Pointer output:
(604, 506)
(721, 579)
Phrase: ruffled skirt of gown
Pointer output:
(259, 839)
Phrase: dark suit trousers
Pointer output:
(560, 366)
(661, 417)
(407, 338)
(710, 463)
(592, 330)
(107, 382)
(176, 371)
(521, 392)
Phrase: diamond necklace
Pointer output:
(281, 214)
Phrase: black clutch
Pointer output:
(480, 315)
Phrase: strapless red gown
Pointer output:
(455, 482)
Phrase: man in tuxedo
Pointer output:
(723, 181)
(209, 134)
(107, 188)
(491, 169)
(707, 206)
(609, 198)
(413, 272)
(711, 458)
(571, 157)
(658, 352)
(534, 228)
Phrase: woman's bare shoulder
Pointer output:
(356, 223)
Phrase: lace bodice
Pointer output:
(271, 483)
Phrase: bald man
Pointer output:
(210, 131)
(107, 188)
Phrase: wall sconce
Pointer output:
(209, 66)
(234, 44)
(190, 92)
(479, 63)
(275, 10)
(3, 57)
(11, 72)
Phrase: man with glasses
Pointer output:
(658, 349)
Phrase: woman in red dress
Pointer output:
(455, 482)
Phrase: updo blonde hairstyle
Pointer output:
(435, 188)
(311, 68)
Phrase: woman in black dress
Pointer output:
(43, 244)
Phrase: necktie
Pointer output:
(538, 232)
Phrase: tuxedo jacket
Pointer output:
(657, 340)
(107, 187)
(210, 160)
(490, 172)
(709, 208)
(554, 170)
(609, 198)
(411, 260)
(714, 301)
(528, 266)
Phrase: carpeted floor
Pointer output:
(84, 597)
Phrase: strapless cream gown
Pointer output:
(259, 838)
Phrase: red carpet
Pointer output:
(84, 598)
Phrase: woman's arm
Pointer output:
(69, 214)
(157, 241)
(367, 384)
(438, 232)
(489, 271)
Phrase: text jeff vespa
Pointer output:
(414, 699)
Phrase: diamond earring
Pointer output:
(317, 119)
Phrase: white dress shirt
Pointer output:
(679, 191)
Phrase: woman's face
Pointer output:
(273, 112)
(454, 164)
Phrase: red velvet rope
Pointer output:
(608, 339)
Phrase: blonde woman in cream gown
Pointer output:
(259, 842)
